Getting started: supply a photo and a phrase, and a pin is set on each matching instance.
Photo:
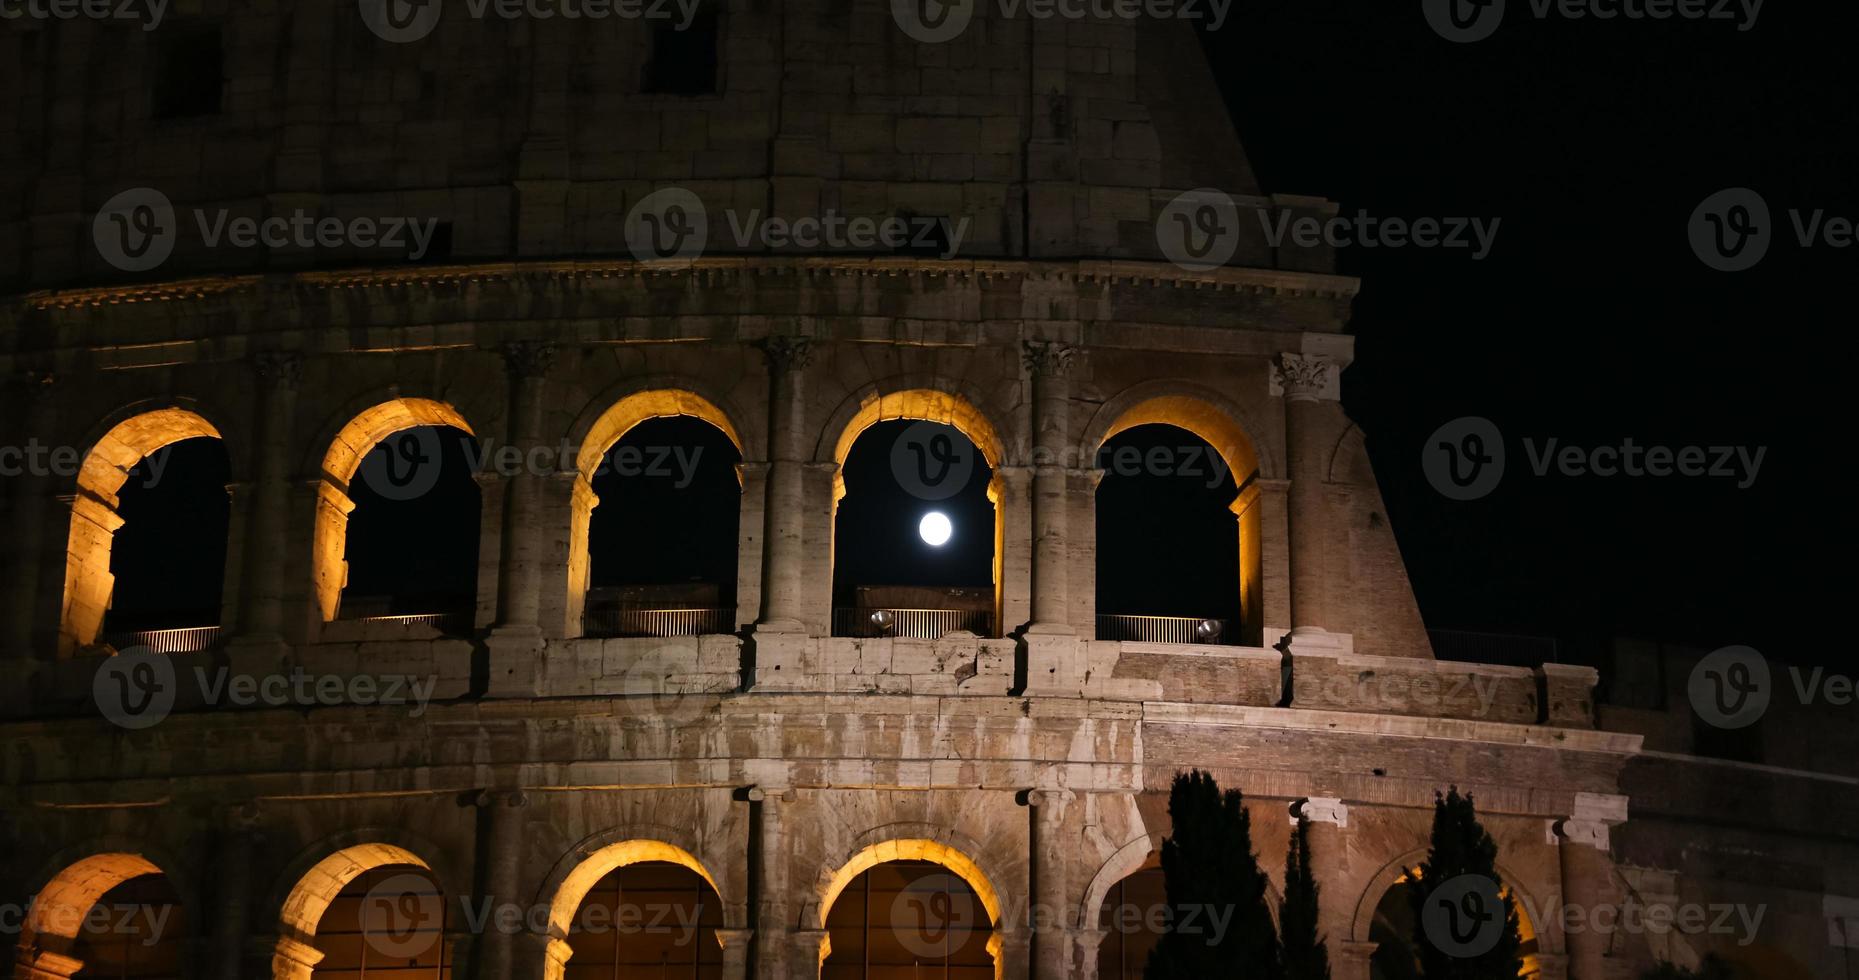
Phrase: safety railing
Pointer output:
(658, 622)
(921, 624)
(1163, 629)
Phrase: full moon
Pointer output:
(935, 528)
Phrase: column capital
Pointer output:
(1321, 809)
(37, 383)
(1306, 378)
(734, 938)
(278, 368)
(505, 799)
(528, 358)
(787, 352)
(1591, 818)
(46, 965)
(1047, 358)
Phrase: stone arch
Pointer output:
(955, 860)
(605, 422)
(295, 954)
(344, 455)
(1391, 873)
(1128, 859)
(1225, 426)
(928, 399)
(94, 520)
(583, 869)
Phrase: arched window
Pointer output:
(386, 922)
(168, 561)
(1394, 929)
(916, 535)
(1134, 916)
(647, 920)
(413, 535)
(108, 915)
(1168, 542)
(165, 491)
(663, 541)
(908, 920)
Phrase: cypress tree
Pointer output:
(1219, 924)
(1305, 955)
(1465, 926)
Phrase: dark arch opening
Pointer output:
(1134, 916)
(908, 920)
(1167, 540)
(1393, 930)
(652, 919)
(136, 930)
(887, 579)
(168, 560)
(412, 540)
(663, 542)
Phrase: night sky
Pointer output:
(1591, 321)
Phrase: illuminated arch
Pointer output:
(872, 405)
(584, 876)
(602, 433)
(1129, 859)
(1405, 867)
(949, 858)
(296, 956)
(94, 521)
(340, 462)
(1219, 422)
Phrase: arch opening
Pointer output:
(657, 452)
(1213, 466)
(1133, 917)
(1393, 930)
(669, 872)
(398, 517)
(107, 915)
(365, 907)
(917, 532)
(904, 908)
(134, 448)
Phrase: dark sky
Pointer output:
(1591, 320)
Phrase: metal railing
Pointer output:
(190, 639)
(920, 624)
(448, 623)
(1504, 649)
(658, 622)
(1163, 629)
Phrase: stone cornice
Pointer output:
(715, 269)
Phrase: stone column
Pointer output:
(773, 926)
(808, 948)
(26, 515)
(735, 952)
(1312, 396)
(292, 960)
(232, 883)
(261, 571)
(1016, 543)
(501, 828)
(1587, 878)
(1049, 363)
(784, 510)
(1329, 856)
(519, 578)
(1350, 960)
(1087, 940)
(1051, 937)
